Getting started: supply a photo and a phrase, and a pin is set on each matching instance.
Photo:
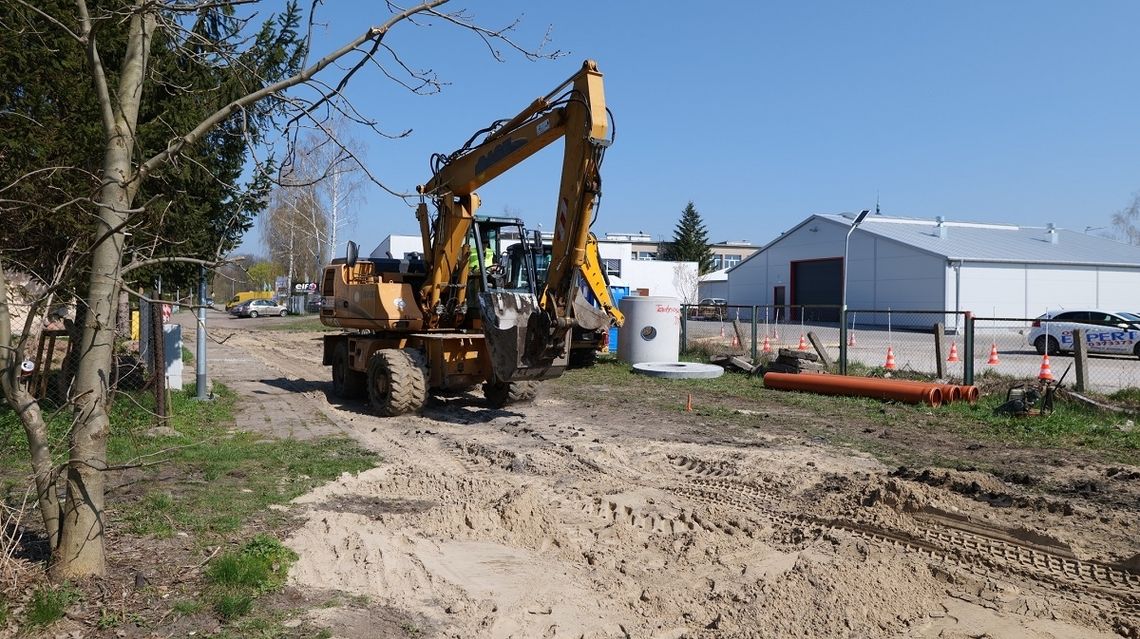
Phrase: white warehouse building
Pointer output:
(993, 270)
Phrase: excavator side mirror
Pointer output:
(352, 252)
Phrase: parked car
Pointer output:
(709, 308)
(1105, 331)
(258, 308)
(246, 296)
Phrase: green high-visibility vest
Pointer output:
(473, 257)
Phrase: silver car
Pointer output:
(259, 308)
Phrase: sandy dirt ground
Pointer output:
(565, 518)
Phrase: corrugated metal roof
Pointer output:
(983, 242)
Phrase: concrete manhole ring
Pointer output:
(678, 370)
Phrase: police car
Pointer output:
(1115, 332)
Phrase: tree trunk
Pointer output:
(32, 418)
(81, 550)
(47, 495)
(334, 221)
(123, 324)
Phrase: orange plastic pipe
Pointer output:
(969, 393)
(950, 392)
(930, 394)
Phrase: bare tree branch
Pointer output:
(225, 112)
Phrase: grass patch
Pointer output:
(213, 479)
(48, 605)
(237, 578)
(1070, 425)
(1127, 396)
(187, 607)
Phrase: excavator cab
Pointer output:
(518, 334)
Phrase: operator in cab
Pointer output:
(473, 257)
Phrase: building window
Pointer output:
(731, 260)
(644, 255)
(718, 261)
(613, 267)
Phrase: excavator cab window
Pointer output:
(523, 265)
(514, 273)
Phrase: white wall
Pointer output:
(1118, 289)
(398, 246)
(713, 288)
(1028, 290)
(670, 279)
(904, 278)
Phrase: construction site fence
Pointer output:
(942, 344)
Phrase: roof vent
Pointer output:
(941, 226)
(1052, 230)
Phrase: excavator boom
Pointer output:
(527, 335)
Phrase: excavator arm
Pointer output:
(526, 337)
(594, 273)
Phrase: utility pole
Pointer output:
(843, 302)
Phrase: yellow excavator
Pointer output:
(466, 314)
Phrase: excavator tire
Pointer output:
(501, 394)
(397, 382)
(347, 383)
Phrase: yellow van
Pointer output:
(248, 295)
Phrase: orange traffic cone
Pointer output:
(953, 352)
(890, 365)
(735, 342)
(767, 348)
(1046, 374)
(689, 403)
(803, 344)
(850, 340)
(993, 360)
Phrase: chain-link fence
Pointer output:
(143, 357)
(934, 343)
(1016, 347)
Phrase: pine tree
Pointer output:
(690, 241)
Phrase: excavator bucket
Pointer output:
(518, 338)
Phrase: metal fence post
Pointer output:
(754, 334)
(843, 341)
(684, 329)
(1080, 360)
(968, 346)
(939, 350)
(200, 354)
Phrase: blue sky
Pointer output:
(762, 113)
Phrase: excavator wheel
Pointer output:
(347, 383)
(501, 394)
(397, 382)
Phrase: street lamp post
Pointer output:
(843, 302)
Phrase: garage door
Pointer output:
(818, 282)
